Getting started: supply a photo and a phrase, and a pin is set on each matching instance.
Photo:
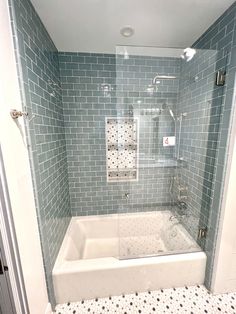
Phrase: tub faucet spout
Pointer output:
(126, 195)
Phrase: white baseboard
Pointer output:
(48, 309)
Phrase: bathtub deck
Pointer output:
(191, 300)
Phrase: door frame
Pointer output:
(10, 252)
(7, 304)
(224, 271)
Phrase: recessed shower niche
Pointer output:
(122, 149)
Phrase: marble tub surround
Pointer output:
(189, 299)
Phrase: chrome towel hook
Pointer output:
(15, 114)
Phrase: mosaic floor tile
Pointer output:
(191, 300)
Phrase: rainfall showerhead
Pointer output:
(188, 54)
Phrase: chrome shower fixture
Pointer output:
(53, 87)
(131, 110)
(52, 83)
(53, 94)
(150, 90)
(166, 106)
(157, 78)
(188, 54)
(172, 114)
(15, 114)
(106, 88)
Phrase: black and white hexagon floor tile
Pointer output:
(191, 300)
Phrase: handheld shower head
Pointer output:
(166, 106)
(172, 114)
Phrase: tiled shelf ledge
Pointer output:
(168, 163)
(160, 163)
(121, 146)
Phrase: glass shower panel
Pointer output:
(161, 133)
(200, 105)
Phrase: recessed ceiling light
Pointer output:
(127, 31)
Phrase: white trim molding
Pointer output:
(224, 268)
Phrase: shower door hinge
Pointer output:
(220, 78)
(202, 233)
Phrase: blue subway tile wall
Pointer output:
(206, 145)
(38, 70)
(86, 106)
(221, 36)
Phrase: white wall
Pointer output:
(18, 174)
(224, 275)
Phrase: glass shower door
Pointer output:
(160, 114)
(143, 105)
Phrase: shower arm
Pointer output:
(165, 77)
(162, 77)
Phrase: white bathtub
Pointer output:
(92, 261)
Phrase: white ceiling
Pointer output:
(94, 25)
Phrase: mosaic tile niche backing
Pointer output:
(122, 149)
